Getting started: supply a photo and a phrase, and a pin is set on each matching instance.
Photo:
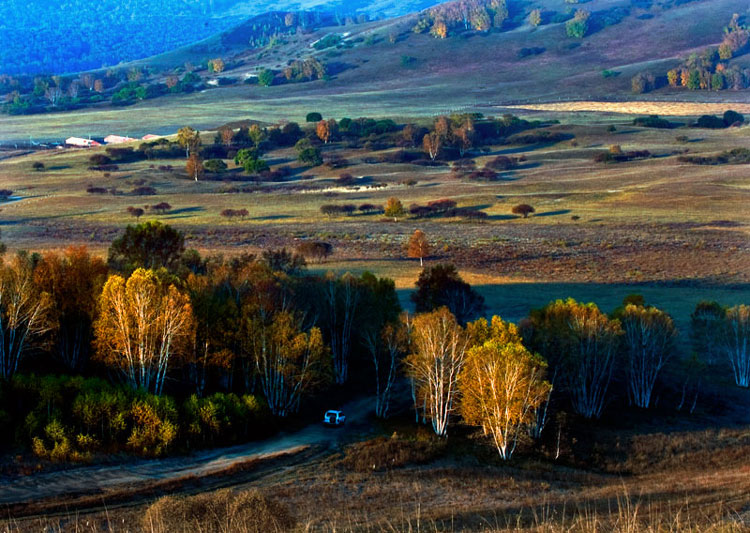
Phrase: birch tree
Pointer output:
(705, 321)
(24, 314)
(580, 344)
(386, 348)
(143, 323)
(737, 343)
(501, 385)
(342, 297)
(439, 347)
(506, 333)
(289, 362)
(649, 341)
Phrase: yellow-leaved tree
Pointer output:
(289, 361)
(502, 384)
(24, 314)
(143, 324)
(439, 347)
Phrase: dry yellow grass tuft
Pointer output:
(223, 511)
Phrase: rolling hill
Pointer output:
(384, 68)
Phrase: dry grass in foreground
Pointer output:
(250, 511)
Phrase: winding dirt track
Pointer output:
(131, 477)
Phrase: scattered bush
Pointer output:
(620, 156)
(143, 191)
(38, 166)
(137, 212)
(234, 213)
(315, 250)
(523, 209)
(217, 166)
(653, 121)
(99, 160)
(736, 156)
(710, 122)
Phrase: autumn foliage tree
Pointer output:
(394, 209)
(432, 144)
(189, 139)
(439, 348)
(580, 344)
(418, 246)
(289, 361)
(25, 314)
(502, 384)
(143, 323)
(194, 167)
(649, 340)
(74, 281)
(326, 129)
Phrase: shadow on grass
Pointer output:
(186, 211)
(553, 213)
(272, 217)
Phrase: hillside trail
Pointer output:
(86, 480)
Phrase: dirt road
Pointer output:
(91, 480)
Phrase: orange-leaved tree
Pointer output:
(394, 208)
(418, 246)
(74, 282)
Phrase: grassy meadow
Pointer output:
(674, 231)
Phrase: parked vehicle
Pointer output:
(334, 418)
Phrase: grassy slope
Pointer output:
(478, 72)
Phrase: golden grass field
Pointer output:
(671, 109)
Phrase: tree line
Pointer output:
(158, 348)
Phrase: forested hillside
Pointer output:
(74, 35)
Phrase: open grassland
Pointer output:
(676, 232)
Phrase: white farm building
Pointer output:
(80, 142)
(118, 139)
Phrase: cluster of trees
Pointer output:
(711, 70)
(202, 351)
(305, 70)
(26, 95)
(578, 26)
(462, 15)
